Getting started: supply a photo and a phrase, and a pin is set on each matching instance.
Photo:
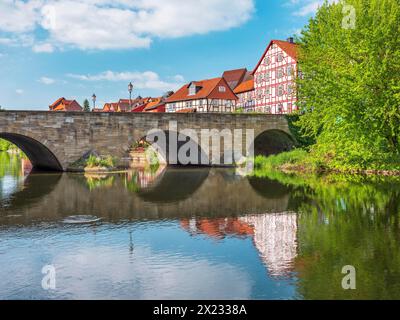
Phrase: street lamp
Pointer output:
(130, 89)
(94, 101)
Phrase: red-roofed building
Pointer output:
(246, 96)
(212, 95)
(110, 107)
(140, 104)
(156, 105)
(235, 77)
(65, 105)
(274, 78)
(125, 105)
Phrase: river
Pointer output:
(190, 233)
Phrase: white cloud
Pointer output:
(43, 48)
(19, 91)
(18, 15)
(179, 78)
(46, 80)
(306, 7)
(119, 24)
(5, 41)
(141, 80)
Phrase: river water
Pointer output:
(174, 233)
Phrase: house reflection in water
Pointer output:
(218, 228)
(274, 236)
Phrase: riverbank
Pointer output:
(300, 161)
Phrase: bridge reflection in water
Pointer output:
(212, 202)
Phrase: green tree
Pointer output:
(86, 105)
(349, 94)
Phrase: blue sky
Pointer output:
(74, 48)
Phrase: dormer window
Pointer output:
(222, 89)
(193, 89)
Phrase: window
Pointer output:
(280, 90)
(259, 93)
(290, 70)
(290, 89)
(188, 104)
(222, 89)
(267, 76)
(267, 91)
(280, 72)
(267, 61)
(192, 89)
(280, 108)
(279, 57)
(228, 106)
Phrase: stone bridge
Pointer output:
(57, 140)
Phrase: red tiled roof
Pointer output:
(65, 105)
(110, 107)
(207, 89)
(139, 108)
(152, 104)
(245, 86)
(289, 48)
(234, 77)
(57, 102)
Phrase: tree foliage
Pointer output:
(349, 95)
(86, 105)
(5, 145)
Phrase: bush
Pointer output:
(94, 162)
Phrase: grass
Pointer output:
(303, 161)
(296, 160)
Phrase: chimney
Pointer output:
(290, 40)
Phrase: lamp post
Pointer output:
(130, 89)
(94, 101)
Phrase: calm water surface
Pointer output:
(195, 234)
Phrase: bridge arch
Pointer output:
(164, 155)
(271, 142)
(41, 157)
